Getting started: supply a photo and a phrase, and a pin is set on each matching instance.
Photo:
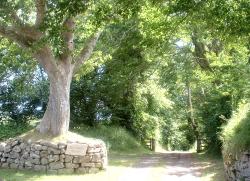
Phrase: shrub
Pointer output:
(10, 129)
(236, 134)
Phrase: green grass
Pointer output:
(236, 134)
(117, 139)
(212, 167)
(12, 129)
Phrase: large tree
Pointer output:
(60, 36)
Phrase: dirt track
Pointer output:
(169, 166)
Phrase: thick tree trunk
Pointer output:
(57, 116)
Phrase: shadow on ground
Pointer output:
(178, 164)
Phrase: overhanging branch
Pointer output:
(200, 52)
(26, 35)
(40, 12)
(68, 36)
(16, 19)
(86, 51)
(45, 57)
(12, 34)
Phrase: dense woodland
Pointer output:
(174, 70)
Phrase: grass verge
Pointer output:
(212, 167)
(12, 129)
(235, 135)
(117, 139)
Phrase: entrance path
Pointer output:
(164, 166)
(168, 166)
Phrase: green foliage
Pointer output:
(143, 89)
(216, 110)
(23, 85)
(117, 139)
(124, 88)
(235, 135)
(229, 19)
(90, 16)
(177, 135)
(150, 104)
(10, 129)
(137, 78)
(105, 88)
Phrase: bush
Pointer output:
(236, 134)
(216, 110)
(10, 129)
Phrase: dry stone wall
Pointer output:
(239, 170)
(65, 158)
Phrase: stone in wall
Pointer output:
(62, 157)
(239, 170)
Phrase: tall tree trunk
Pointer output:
(57, 115)
(194, 124)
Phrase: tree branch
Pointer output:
(12, 34)
(17, 30)
(16, 19)
(68, 36)
(200, 52)
(45, 57)
(86, 51)
(26, 36)
(40, 12)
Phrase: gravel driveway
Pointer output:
(169, 166)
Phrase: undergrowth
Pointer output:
(116, 138)
(12, 129)
(236, 134)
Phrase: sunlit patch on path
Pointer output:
(181, 167)
(173, 166)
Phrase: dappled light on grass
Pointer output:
(209, 177)
(213, 169)
(112, 173)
